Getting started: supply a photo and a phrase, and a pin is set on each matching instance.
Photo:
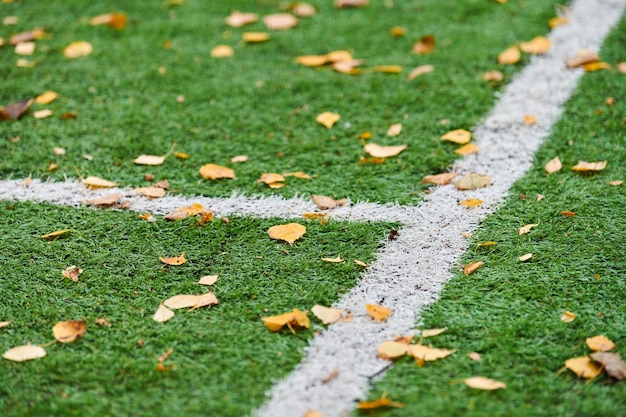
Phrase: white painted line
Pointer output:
(410, 272)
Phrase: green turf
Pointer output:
(260, 103)
(510, 311)
(224, 358)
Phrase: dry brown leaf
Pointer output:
(427, 353)
(596, 66)
(323, 202)
(582, 57)
(114, 20)
(398, 31)
(421, 70)
(475, 356)
(56, 234)
(177, 214)
(395, 129)
(493, 76)
(294, 319)
(194, 209)
(553, 165)
(327, 315)
(379, 403)
(27, 36)
(433, 332)
(312, 60)
(471, 267)
(5, 323)
(613, 364)
(103, 322)
(24, 63)
(24, 353)
(151, 192)
(95, 183)
(558, 21)
(378, 313)
(600, 343)
(72, 272)
(280, 21)
(509, 56)
(467, 149)
(173, 260)
(298, 174)
(480, 382)
(238, 19)
(568, 213)
(57, 150)
(525, 257)
(182, 301)
(389, 69)
(460, 136)
(104, 201)
(213, 172)
(584, 367)
(583, 166)
(472, 181)
(327, 119)
(616, 183)
(333, 260)
(68, 331)
(208, 280)
(14, 111)
(568, 317)
(536, 46)
(425, 45)
(526, 228)
(439, 179)
(288, 232)
(162, 314)
(391, 349)
(379, 151)
(77, 49)
(350, 3)
(471, 202)
(255, 37)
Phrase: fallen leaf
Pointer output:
(600, 343)
(526, 228)
(288, 232)
(471, 202)
(181, 155)
(378, 313)
(239, 158)
(25, 48)
(480, 382)
(509, 56)
(14, 111)
(596, 66)
(467, 149)
(394, 130)
(379, 403)
(207, 299)
(433, 332)
(149, 160)
(327, 315)
(273, 180)
(475, 356)
(421, 70)
(162, 314)
(425, 45)
(616, 183)
(27, 36)
(77, 49)
(398, 31)
(327, 119)
(105, 201)
(568, 213)
(350, 3)
(70, 330)
(151, 192)
(174, 260)
(488, 243)
(238, 19)
(583, 166)
(333, 260)
(493, 76)
(568, 317)
(460, 136)
(114, 20)
(192, 210)
(42, 114)
(439, 179)
(379, 151)
(175, 215)
(582, 57)
(255, 37)
(553, 165)
(55, 235)
(339, 56)
(391, 349)
(612, 363)
(323, 202)
(427, 353)
(5, 323)
(312, 60)
(208, 280)
(361, 263)
(348, 67)
(530, 120)
(525, 257)
(72, 272)
(621, 67)
(24, 353)
(558, 21)
(583, 367)
(213, 172)
(472, 181)
(303, 9)
(298, 174)
(389, 69)
(536, 46)
(95, 183)
(182, 301)
(58, 151)
(103, 322)
(471, 267)
(280, 21)
(294, 319)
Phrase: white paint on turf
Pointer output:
(410, 271)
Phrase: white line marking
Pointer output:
(410, 271)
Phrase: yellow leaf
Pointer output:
(381, 402)
(583, 367)
(72, 272)
(96, 182)
(68, 331)
(425, 45)
(313, 413)
(391, 349)
(348, 67)
(207, 299)
(530, 120)
(255, 37)
(293, 319)
(397, 31)
(114, 20)
(509, 56)
(360, 263)
(327, 315)
(428, 354)
(25, 48)
(525, 257)
(24, 353)
(568, 317)
(42, 114)
(596, 66)
(312, 60)
(472, 182)
(378, 313)
(536, 46)
(433, 332)
(222, 51)
(239, 158)
(616, 183)
(439, 179)
(149, 160)
(480, 382)
(77, 49)
(488, 243)
(553, 165)
(394, 130)
(526, 228)
(582, 57)
(558, 21)
(468, 149)
(162, 314)
(181, 155)
(174, 260)
(493, 76)
(389, 69)
(327, 119)
(272, 180)
(208, 280)
(600, 344)
(339, 56)
(303, 10)
(298, 174)
(237, 19)
(460, 136)
(379, 151)
(192, 210)
(280, 21)
(151, 192)
(333, 260)
(47, 97)
(213, 172)
(288, 232)
(583, 166)
(182, 301)
(421, 70)
(56, 234)
(471, 267)
(471, 202)
(323, 202)
(350, 3)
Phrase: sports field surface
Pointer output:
(287, 164)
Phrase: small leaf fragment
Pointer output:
(312, 60)
(510, 56)
(583, 166)
(42, 114)
(553, 165)
(288, 232)
(475, 356)
(72, 272)
(222, 51)
(525, 257)
(323, 202)
(208, 280)
(207, 299)
(255, 37)
(149, 160)
(568, 213)
(600, 343)
(379, 151)
(391, 349)
(77, 49)
(536, 46)
(70, 330)
(526, 228)
(584, 367)
(389, 69)
(327, 315)
(558, 21)
(460, 136)
(482, 383)
(493, 76)
(280, 21)
(425, 45)
(174, 260)
(24, 353)
(378, 313)
(95, 183)
(568, 317)
(427, 353)
(467, 149)
(472, 181)
(395, 129)
(293, 319)
(596, 66)
(582, 57)
(616, 183)
(327, 119)
(5, 323)
(433, 332)
(162, 314)
(104, 201)
(238, 19)
(421, 70)
(334, 260)
(439, 179)
(379, 403)
(182, 301)
(471, 202)
(46, 98)
(56, 234)
(214, 172)
(114, 20)
(471, 267)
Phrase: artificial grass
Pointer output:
(260, 102)
(510, 311)
(224, 358)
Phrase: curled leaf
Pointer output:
(379, 151)
(68, 331)
(174, 260)
(425, 45)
